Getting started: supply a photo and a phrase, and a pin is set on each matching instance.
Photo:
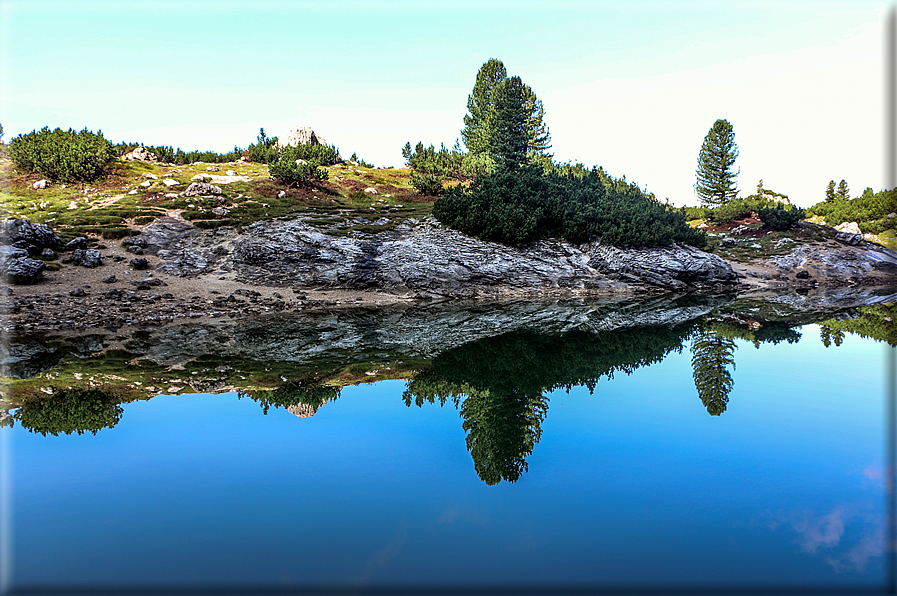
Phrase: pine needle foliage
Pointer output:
(712, 353)
(513, 206)
(63, 155)
(716, 182)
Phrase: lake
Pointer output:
(670, 445)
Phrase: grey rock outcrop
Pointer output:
(182, 263)
(424, 260)
(430, 260)
(869, 263)
(164, 233)
(300, 136)
(674, 267)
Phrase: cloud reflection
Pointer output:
(848, 537)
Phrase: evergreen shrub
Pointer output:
(779, 218)
(288, 172)
(63, 155)
(526, 203)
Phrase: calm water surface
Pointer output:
(631, 484)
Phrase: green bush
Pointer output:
(360, 161)
(780, 218)
(528, 204)
(739, 209)
(429, 185)
(309, 391)
(288, 172)
(168, 154)
(325, 155)
(65, 156)
(877, 226)
(869, 209)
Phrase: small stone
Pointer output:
(40, 185)
(48, 253)
(133, 192)
(109, 279)
(803, 274)
(146, 184)
(230, 173)
(137, 250)
(139, 263)
(169, 182)
(150, 176)
(281, 194)
(79, 242)
(211, 169)
(78, 293)
(371, 191)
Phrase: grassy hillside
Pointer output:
(107, 208)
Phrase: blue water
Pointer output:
(634, 485)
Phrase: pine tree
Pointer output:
(716, 183)
(843, 192)
(711, 354)
(509, 142)
(830, 191)
(479, 122)
(481, 106)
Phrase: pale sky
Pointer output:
(630, 86)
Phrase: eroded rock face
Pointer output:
(673, 267)
(425, 260)
(869, 263)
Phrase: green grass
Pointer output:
(106, 209)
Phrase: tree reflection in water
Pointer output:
(70, 410)
(503, 381)
(711, 354)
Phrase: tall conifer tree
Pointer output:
(843, 192)
(830, 191)
(716, 182)
(479, 122)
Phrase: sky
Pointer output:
(631, 86)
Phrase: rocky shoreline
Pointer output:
(174, 270)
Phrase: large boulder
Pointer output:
(16, 267)
(300, 136)
(201, 189)
(139, 154)
(39, 235)
(89, 258)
